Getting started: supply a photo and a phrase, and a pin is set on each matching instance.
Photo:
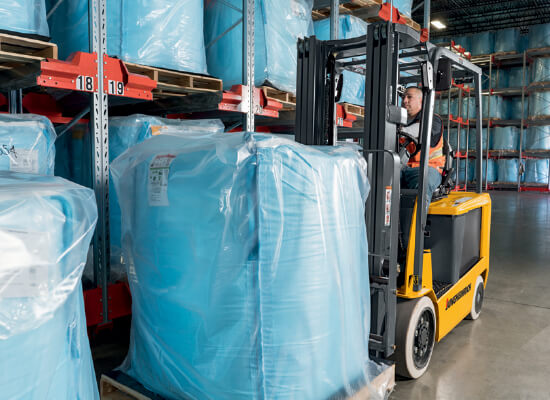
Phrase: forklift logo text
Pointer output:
(458, 296)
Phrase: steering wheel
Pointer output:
(408, 140)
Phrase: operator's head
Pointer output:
(412, 101)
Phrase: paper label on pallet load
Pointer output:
(387, 209)
(157, 186)
(23, 160)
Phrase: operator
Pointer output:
(412, 102)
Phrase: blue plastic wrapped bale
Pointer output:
(541, 70)
(506, 40)
(536, 171)
(523, 43)
(278, 25)
(502, 78)
(507, 170)
(472, 141)
(245, 279)
(514, 109)
(539, 36)
(515, 77)
(482, 43)
(487, 169)
(404, 6)
(353, 91)
(468, 108)
(496, 107)
(73, 159)
(464, 41)
(505, 138)
(441, 106)
(537, 138)
(24, 16)
(440, 39)
(159, 33)
(539, 104)
(453, 139)
(27, 144)
(46, 225)
(462, 164)
(125, 132)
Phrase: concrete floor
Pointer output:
(505, 354)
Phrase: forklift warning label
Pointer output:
(158, 180)
(387, 209)
(451, 301)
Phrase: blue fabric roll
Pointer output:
(24, 16)
(537, 138)
(507, 170)
(404, 6)
(515, 77)
(539, 104)
(278, 25)
(536, 171)
(230, 288)
(482, 43)
(505, 138)
(541, 70)
(27, 144)
(46, 225)
(353, 90)
(539, 36)
(160, 33)
(514, 109)
(506, 40)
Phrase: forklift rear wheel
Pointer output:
(477, 301)
(415, 336)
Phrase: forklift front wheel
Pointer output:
(477, 301)
(414, 336)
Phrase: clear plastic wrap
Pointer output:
(537, 138)
(539, 104)
(27, 144)
(514, 109)
(278, 25)
(160, 33)
(125, 132)
(505, 138)
(237, 289)
(24, 16)
(539, 36)
(507, 40)
(541, 70)
(404, 6)
(507, 170)
(46, 226)
(482, 43)
(353, 90)
(515, 77)
(536, 171)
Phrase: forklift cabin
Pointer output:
(428, 266)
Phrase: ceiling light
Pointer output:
(438, 24)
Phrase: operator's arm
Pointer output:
(436, 130)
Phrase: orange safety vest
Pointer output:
(437, 158)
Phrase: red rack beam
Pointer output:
(79, 72)
(343, 118)
(234, 100)
(118, 81)
(120, 303)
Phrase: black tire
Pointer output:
(414, 337)
(477, 300)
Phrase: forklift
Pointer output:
(428, 264)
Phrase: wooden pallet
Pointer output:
(346, 8)
(17, 49)
(288, 100)
(354, 110)
(174, 82)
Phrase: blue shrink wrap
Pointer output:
(468, 107)
(514, 110)
(507, 170)
(515, 77)
(487, 169)
(506, 40)
(46, 225)
(502, 78)
(539, 36)
(159, 33)
(464, 41)
(472, 141)
(482, 43)
(539, 104)
(24, 16)
(278, 25)
(453, 139)
(441, 106)
(497, 106)
(353, 90)
(462, 164)
(537, 138)
(536, 171)
(73, 159)
(27, 144)
(523, 43)
(245, 252)
(505, 138)
(541, 70)
(404, 6)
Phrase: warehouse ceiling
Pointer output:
(470, 16)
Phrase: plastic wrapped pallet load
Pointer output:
(537, 138)
(472, 139)
(46, 226)
(441, 106)
(160, 33)
(505, 138)
(507, 170)
(278, 25)
(454, 142)
(482, 43)
(506, 40)
(496, 104)
(539, 105)
(539, 36)
(27, 144)
(24, 16)
(353, 90)
(515, 77)
(464, 41)
(404, 6)
(541, 70)
(514, 109)
(536, 171)
(256, 284)
(488, 170)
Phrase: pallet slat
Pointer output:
(22, 49)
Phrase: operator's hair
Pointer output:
(417, 89)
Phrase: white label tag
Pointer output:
(158, 180)
(85, 83)
(25, 161)
(387, 208)
(116, 88)
(26, 281)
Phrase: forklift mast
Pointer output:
(392, 55)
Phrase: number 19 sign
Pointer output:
(116, 88)
(85, 83)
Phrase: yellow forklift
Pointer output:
(428, 265)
